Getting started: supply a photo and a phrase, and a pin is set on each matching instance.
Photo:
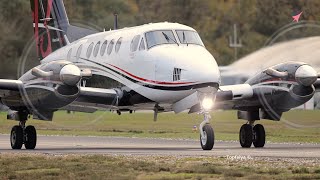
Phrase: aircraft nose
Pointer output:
(204, 69)
(306, 75)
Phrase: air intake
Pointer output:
(176, 74)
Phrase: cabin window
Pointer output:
(79, 52)
(110, 47)
(142, 46)
(69, 54)
(89, 50)
(118, 44)
(96, 49)
(103, 47)
(189, 37)
(155, 38)
(135, 43)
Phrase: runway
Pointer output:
(159, 147)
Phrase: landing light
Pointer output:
(207, 103)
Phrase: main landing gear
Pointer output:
(250, 133)
(206, 133)
(20, 134)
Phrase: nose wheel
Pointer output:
(23, 135)
(252, 134)
(207, 140)
(206, 133)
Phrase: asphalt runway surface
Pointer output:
(158, 147)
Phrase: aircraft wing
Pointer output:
(256, 96)
(13, 85)
(92, 99)
(88, 99)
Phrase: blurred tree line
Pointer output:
(256, 20)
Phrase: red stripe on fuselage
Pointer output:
(151, 81)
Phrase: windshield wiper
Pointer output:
(169, 38)
(184, 38)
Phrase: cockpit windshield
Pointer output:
(189, 37)
(160, 37)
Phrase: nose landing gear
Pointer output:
(206, 133)
(23, 135)
(252, 134)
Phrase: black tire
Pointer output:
(31, 137)
(246, 136)
(16, 137)
(208, 142)
(260, 136)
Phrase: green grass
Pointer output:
(170, 125)
(33, 166)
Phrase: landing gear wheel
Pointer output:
(16, 137)
(259, 136)
(246, 135)
(31, 137)
(207, 141)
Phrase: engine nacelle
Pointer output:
(63, 71)
(50, 86)
(239, 91)
(279, 89)
(43, 97)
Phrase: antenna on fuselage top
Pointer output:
(115, 21)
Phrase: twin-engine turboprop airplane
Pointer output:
(161, 67)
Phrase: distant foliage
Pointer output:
(213, 19)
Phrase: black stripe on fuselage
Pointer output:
(167, 88)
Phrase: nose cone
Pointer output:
(306, 75)
(70, 74)
(202, 67)
(196, 63)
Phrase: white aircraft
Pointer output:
(161, 67)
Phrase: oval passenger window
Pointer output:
(103, 47)
(89, 50)
(110, 47)
(78, 52)
(96, 49)
(118, 45)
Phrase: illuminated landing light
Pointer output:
(207, 103)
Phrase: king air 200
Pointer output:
(161, 67)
